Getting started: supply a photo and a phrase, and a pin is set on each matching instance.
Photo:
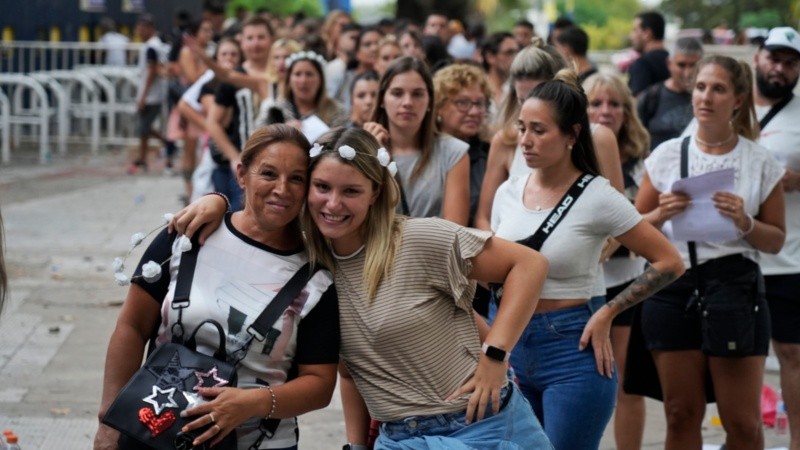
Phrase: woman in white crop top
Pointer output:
(532, 65)
(564, 360)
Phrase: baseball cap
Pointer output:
(783, 37)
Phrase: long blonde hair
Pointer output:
(535, 62)
(633, 138)
(381, 227)
(744, 120)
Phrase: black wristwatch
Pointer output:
(497, 354)
(349, 446)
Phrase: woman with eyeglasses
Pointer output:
(462, 98)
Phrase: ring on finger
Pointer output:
(211, 416)
(216, 429)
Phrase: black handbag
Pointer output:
(147, 409)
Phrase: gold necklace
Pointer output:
(715, 144)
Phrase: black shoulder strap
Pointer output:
(536, 240)
(776, 108)
(403, 200)
(282, 300)
(183, 285)
(264, 322)
(183, 288)
(691, 244)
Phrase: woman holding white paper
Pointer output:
(714, 319)
(307, 105)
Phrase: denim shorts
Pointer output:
(571, 399)
(514, 427)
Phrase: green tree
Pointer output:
(710, 13)
(309, 7)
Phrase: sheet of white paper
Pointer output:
(314, 127)
(701, 221)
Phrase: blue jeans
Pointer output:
(514, 427)
(572, 400)
(225, 182)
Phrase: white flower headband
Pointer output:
(151, 270)
(349, 153)
(297, 56)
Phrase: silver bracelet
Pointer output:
(750, 228)
(274, 402)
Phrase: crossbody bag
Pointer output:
(727, 307)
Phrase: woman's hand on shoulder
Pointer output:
(378, 130)
(206, 212)
(483, 388)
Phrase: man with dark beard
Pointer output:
(777, 66)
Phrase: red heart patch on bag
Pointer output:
(156, 424)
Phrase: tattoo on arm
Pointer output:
(648, 283)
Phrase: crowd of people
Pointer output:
(495, 221)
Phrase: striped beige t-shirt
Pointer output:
(416, 342)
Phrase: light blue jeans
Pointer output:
(513, 428)
(572, 400)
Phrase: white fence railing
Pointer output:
(77, 98)
(33, 56)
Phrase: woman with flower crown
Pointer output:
(408, 335)
(295, 363)
(305, 97)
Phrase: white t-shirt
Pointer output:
(152, 51)
(573, 249)
(235, 278)
(617, 271)
(782, 138)
(192, 95)
(115, 51)
(519, 168)
(756, 174)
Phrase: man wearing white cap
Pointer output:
(777, 66)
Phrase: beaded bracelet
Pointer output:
(274, 402)
(224, 197)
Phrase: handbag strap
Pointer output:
(698, 287)
(776, 108)
(183, 288)
(259, 328)
(403, 199)
(536, 240)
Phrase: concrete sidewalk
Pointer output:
(64, 224)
